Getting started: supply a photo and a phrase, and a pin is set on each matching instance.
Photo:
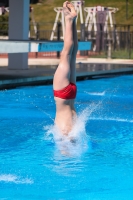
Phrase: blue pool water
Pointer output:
(34, 164)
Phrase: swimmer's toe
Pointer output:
(69, 10)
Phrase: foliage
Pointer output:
(117, 54)
(45, 12)
(3, 24)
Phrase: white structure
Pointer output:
(3, 10)
(18, 30)
(91, 20)
(33, 20)
(78, 7)
(60, 17)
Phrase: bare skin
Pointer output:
(66, 73)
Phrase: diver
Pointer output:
(64, 83)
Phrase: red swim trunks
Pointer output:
(69, 92)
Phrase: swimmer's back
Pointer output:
(65, 115)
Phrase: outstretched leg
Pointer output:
(74, 53)
(73, 62)
(62, 74)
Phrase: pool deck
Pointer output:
(40, 71)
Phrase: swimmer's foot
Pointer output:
(69, 10)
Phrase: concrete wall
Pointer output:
(18, 30)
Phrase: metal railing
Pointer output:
(117, 42)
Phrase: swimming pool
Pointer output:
(32, 165)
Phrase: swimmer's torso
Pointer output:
(65, 115)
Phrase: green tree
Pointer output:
(4, 25)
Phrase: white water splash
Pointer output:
(111, 119)
(77, 142)
(96, 93)
(10, 178)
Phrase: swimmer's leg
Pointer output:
(73, 63)
(62, 74)
(74, 53)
